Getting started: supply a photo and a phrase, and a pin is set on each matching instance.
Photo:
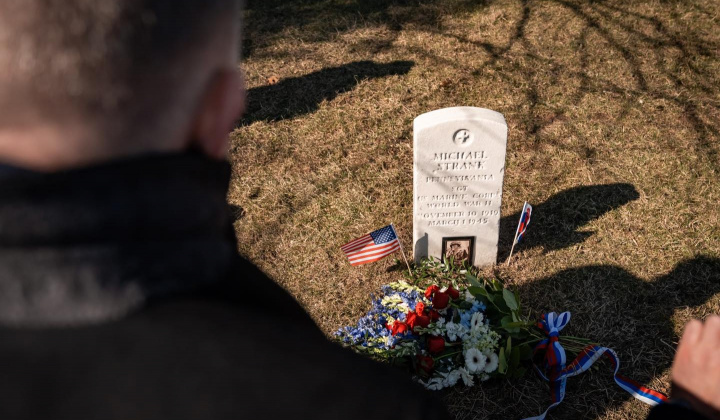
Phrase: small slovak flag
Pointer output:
(372, 247)
(523, 223)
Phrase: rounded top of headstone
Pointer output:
(458, 113)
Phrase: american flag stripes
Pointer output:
(372, 247)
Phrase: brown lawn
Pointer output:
(613, 110)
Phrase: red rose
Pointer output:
(399, 327)
(415, 320)
(435, 344)
(425, 363)
(440, 300)
(453, 293)
(434, 315)
(419, 308)
(411, 319)
(431, 290)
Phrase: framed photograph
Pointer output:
(460, 249)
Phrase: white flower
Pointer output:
(466, 377)
(434, 384)
(476, 321)
(456, 331)
(492, 363)
(485, 377)
(436, 328)
(451, 378)
(469, 296)
(450, 331)
(475, 360)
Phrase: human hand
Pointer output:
(696, 369)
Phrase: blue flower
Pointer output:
(478, 307)
(466, 315)
(371, 330)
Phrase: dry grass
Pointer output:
(614, 117)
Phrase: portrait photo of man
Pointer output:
(458, 250)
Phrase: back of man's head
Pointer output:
(107, 78)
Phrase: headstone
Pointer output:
(459, 165)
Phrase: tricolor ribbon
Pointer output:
(556, 372)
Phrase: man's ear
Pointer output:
(219, 109)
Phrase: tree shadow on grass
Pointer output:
(302, 95)
(636, 37)
(322, 20)
(614, 308)
(555, 223)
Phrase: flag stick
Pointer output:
(401, 249)
(511, 251)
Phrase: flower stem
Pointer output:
(447, 355)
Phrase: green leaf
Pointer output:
(526, 352)
(472, 280)
(484, 300)
(499, 303)
(502, 362)
(497, 285)
(464, 305)
(520, 335)
(507, 323)
(508, 347)
(478, 291)
(509, 298)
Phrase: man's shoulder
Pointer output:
(242, 345)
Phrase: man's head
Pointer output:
(84, 81)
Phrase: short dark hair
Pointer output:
(114, 59)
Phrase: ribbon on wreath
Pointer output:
(556, 372)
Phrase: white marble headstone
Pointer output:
(459, 165)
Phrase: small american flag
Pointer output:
(372, 247)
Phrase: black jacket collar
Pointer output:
(91, 244)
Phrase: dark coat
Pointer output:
(122, 297)
(674, 411)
